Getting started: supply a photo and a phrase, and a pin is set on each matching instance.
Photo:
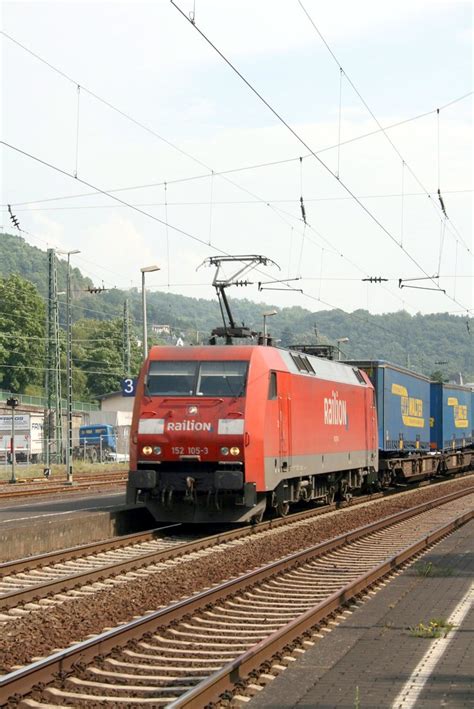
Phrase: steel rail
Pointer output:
(56, 487)
(69, 553)
(55, 477)
(20, 682)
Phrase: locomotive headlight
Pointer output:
(157, 450)
(234, 450)
(147, 450)
(225, 451)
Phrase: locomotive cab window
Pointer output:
(182, 378)
(171, 378)
(222, 379)
(272, 386)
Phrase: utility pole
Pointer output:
(69, 368)
(12, 402)
(126, 339)
(53, 364)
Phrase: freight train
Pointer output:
(226, 433)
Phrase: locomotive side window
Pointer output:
(222, 379)
(272, 386)
(171, 378)
(358, 375)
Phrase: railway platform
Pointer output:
(43, 525)
(373, 658)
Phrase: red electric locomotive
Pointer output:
(222, 433)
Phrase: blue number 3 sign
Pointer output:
(128, 386)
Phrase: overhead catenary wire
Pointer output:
(440, 197)
(206, 285)
(321, 273)
(364, 102)
(171, 144)
(236, 202)
(330, 305)
(123, 203)
(168, 259)
(78, 114)
(338, 171)
(211, 204)
(402, 215)
(441, 242)
(304, 143)
(60, 170)
(290, 251)
(130, 118)
(244, 168)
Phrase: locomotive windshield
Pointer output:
(182, 378)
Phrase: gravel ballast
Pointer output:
(39, 633)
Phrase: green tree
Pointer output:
(22, 333)
(97, 355)
(438, 376)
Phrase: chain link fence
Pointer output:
(110, 448)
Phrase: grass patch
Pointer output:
(436, 628)
(428, 569)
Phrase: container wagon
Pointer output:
(452, 424)
(403, 409)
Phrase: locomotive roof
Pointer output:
(275, 357)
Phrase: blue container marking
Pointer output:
(451, 416)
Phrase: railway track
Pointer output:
(189, 653)
(27, 585)
(26, 489)
(26, 581)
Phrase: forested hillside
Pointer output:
(428, 343)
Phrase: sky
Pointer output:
(158, 115)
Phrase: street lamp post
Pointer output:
(339, 341)
(13, 403)
(145, 269)
(69, 474)
(265, 316)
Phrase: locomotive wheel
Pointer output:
(283, 508)
(330, 496)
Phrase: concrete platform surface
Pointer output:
(17, 510)
(369, 659)
(40, 526)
